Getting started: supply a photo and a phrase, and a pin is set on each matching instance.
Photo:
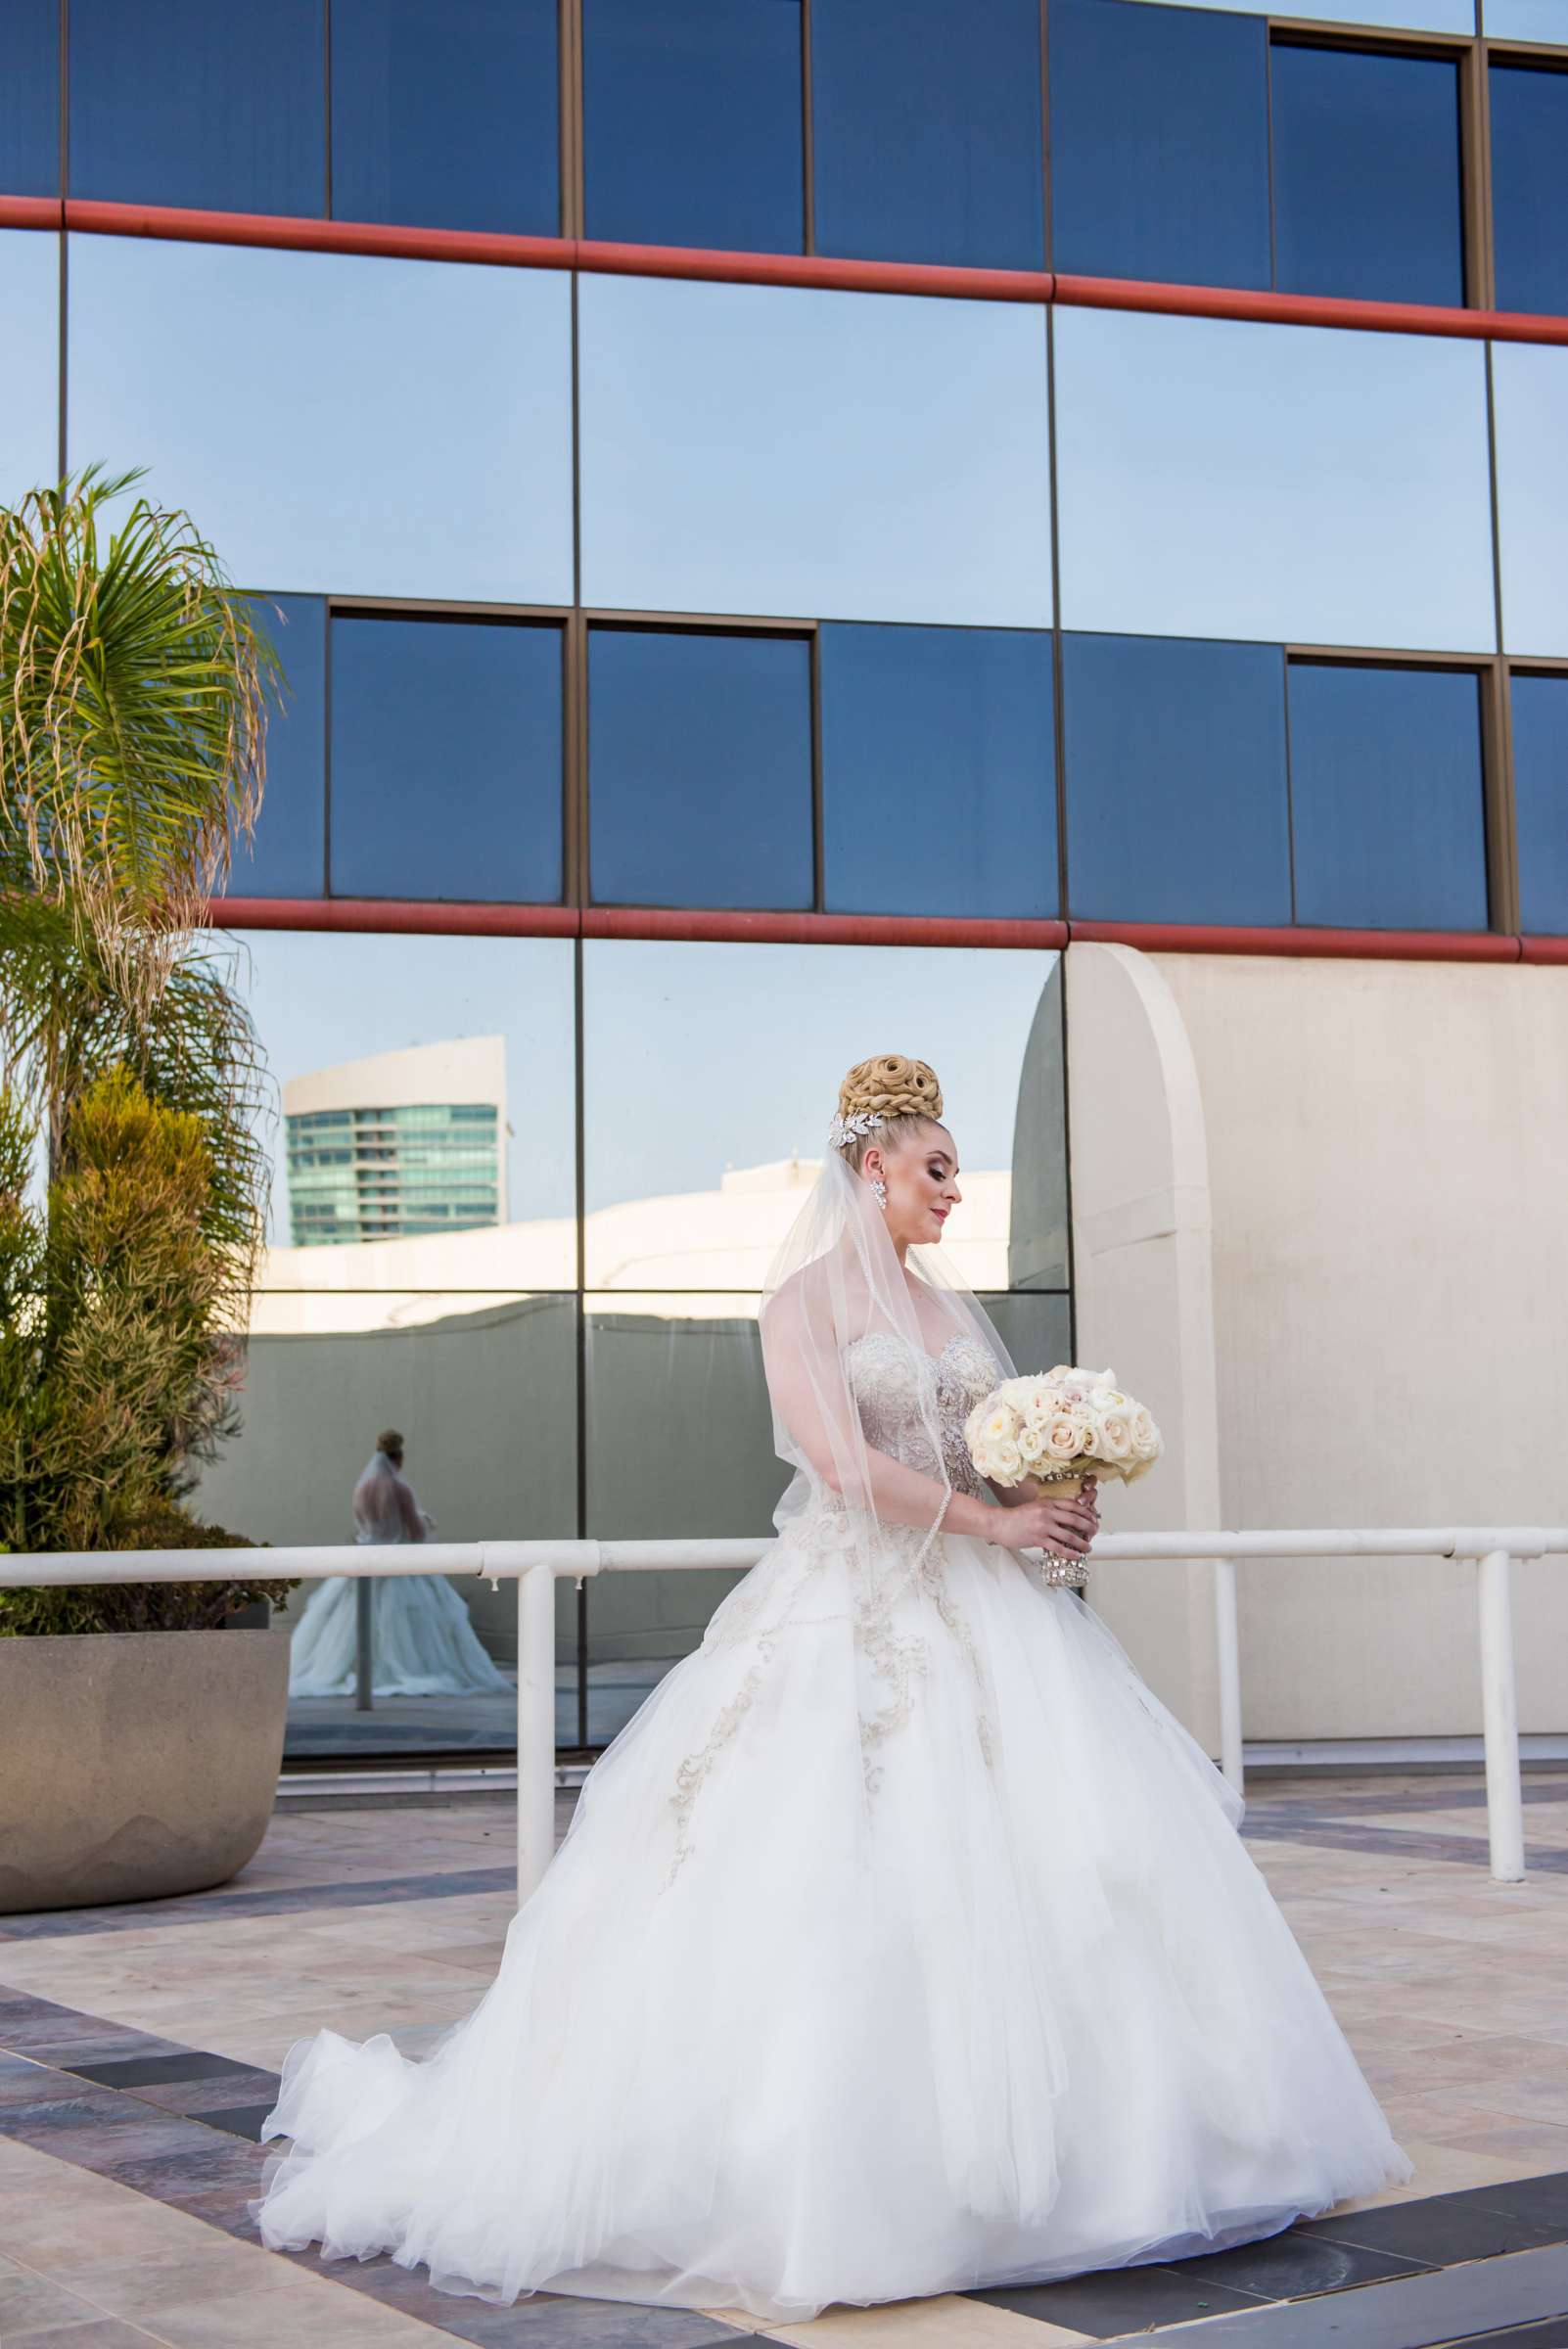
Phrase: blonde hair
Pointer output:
(902, 1094)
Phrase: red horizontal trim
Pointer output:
(31, 211)
(815, 270)
(413, 917)
(290, 233)
(816, 929)
(1363, 945)
(399, 916)
(1307, 309)
(283, 232)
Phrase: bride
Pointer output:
(902, 1942)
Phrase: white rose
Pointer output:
(1111, 1398)
(1007, 1463)
(1115, 1437)
(1065, 1436)
(1032, 1441)
(1145, 1435)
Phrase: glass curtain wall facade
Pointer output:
(662, 634)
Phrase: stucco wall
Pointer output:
(1388, 1159)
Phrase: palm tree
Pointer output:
(134, 685)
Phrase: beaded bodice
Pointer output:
(904, 1393)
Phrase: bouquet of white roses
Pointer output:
(1061, 1427)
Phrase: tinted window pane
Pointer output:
(938, 740)
(446, 759)
(1366, 175)
(701, 1143)
(443, 113)
(1406, 15)
(29, 98)
(1386, 798)
(1271, 482)
(1527, 21)
(1159, 144)
(340, 425)
(29, 303)
(831, 456)
(177, 102)
(288, 856)
(926, 130)
(694, 123)
(1532, 405)
(699, 768)
(1530, 186)
(1540, 799)
(1176, 780)
(367, 1023)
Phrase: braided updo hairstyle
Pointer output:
(903, 1093)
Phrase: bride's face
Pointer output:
(922, 1180)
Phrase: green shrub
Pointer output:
(117, 1363)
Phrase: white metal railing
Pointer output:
(535, 1566)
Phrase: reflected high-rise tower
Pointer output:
(398, 1144)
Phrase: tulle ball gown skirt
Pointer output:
(884, 1958)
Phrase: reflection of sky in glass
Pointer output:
(784, 452)
(1410, 16)
(1520, 20)
(1272, 482)
(1531, 387)
(29, 411)
(335, 422)
(703, 1057)
(319, 999)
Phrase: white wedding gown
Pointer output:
(422, 1641)
(891, 1952)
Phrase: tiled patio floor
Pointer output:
(140, 2046)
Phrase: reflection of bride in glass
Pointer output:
(902, 1942)
(422, 1641)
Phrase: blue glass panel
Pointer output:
(1275, 484)
(341, 424)
(786, 452)
(694, 123)
(1540, 799)
(1386, 798)
(1159, 143)
(943, 739)
(1530, 186)
(926, 130)
(1177, 807)
(1527, 21)
(699, 768)
(287, 855)
(446, 759)
(443, 113)
(1404, 16)
(29, 98)
(178, 102)
(1367, 198)
(1531, 386)
(29, 412)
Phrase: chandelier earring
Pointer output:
(881, 1190)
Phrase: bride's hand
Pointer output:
(1067, 1527)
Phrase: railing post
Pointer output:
(364, 1644)
(1227, 1651)
(1500, 1721)
(536, 1727)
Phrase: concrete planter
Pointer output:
(135, 1763)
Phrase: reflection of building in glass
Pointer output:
(398, 1145)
